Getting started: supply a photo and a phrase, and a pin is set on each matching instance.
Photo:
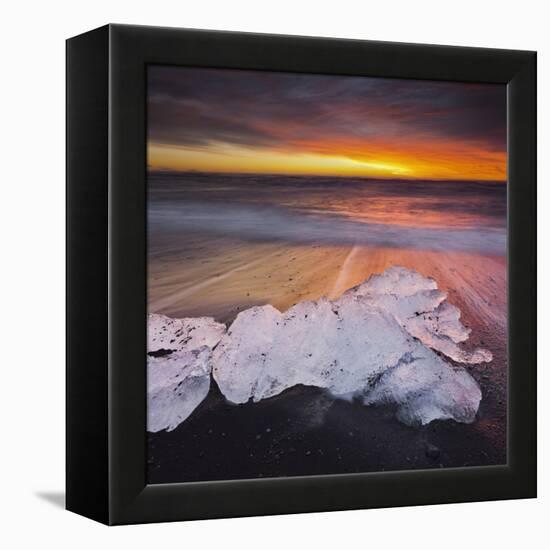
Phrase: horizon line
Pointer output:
(151, 170)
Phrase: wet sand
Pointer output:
(221, 277)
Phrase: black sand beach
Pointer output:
(306, 432)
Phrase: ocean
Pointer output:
(425, 215)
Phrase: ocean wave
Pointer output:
(265, 223)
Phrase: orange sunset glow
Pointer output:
(437, 162)
(249, 122)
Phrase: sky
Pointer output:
(220, 120)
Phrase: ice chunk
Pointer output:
(421, 309)
(425, 388)
(441, 329)
(340, 347)
(176, 385)
(240, 356)
(397, 281)
(179, 364)
(374, 342)
(165, 333)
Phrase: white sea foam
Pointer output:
(376, 343)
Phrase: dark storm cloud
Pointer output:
(196, 107)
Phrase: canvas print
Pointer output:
(326, 274)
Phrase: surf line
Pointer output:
(161, 303)
(340, 283)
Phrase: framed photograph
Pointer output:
(301, 274)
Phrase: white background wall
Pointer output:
(32, 132)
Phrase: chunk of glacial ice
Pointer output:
(176, 385)
(422, 309)
(165, 333)
(374, 342)
(425, 388)
(341, 347)
(179, 364)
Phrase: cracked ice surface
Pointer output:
(375, 342)
(422, 309)
(179, 364)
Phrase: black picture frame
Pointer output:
(106, 274)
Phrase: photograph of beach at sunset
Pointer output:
(326, 274)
